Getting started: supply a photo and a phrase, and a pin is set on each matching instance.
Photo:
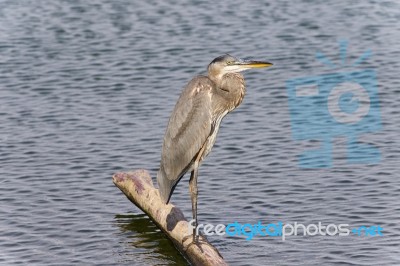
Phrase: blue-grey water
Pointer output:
(86, 89)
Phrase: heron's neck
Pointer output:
(231, 87)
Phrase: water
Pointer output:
(86, 91)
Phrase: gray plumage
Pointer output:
(195, 120)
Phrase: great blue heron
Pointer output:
(193, 126)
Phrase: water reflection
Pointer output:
(147, 241)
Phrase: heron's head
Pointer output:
(229, 64)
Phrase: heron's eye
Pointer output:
(230, 63)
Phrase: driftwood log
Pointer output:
(139, 189)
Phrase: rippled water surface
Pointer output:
(86, 89)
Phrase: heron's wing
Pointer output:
(188, 128)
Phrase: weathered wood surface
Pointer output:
(139, 189)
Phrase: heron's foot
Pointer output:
(194, 238)
(195, 241)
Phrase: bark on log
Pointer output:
(139, 189)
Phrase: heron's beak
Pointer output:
(240, 66)
(254, 64)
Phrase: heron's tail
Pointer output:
(165, 186)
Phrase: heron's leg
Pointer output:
(193, 195)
